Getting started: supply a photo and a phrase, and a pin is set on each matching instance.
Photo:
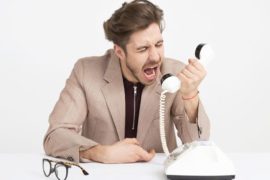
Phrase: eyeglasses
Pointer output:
(60, 168)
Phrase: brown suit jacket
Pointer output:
(91, 110)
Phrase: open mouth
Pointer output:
(150, 73)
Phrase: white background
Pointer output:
(41, 40)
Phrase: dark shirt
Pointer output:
(133, 93)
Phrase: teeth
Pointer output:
(151, 67)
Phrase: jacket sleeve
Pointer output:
(63, 137)
(188, 131)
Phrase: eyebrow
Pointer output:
(145, 46)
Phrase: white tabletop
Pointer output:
(29, 166)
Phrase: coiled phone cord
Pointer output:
(162, 123)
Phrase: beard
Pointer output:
(134, 71)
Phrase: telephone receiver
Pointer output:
(203, 52)
(198, 160)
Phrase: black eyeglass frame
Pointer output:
(67, 165)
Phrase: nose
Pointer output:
(154, 54)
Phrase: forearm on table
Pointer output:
(66, 143)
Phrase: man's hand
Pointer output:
(191, 77)
(125, 151)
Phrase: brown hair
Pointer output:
(131, 17)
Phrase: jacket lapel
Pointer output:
(114, 94)
(149, 109)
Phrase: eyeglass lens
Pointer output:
(60, 171)
(46, 167)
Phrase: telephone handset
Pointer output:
(197, 160)
(203, 52)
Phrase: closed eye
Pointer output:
(142, 49)
(159, 43)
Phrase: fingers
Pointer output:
(194, 70)
(140, 153)
(183, 77)
(191, 76)
(195, 66)
(196, 63)
(152, 153)
(144, 155)
(129, 150)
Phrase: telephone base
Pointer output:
(174, 177)
(199, 160)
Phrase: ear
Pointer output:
(120, 53)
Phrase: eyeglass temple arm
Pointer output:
(75, 164)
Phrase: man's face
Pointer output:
(144, 55)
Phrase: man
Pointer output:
(108, 110)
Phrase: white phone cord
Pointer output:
(161, 122)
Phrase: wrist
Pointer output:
(95, 153)
(190, 95)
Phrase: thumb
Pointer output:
(191, 61)
(152, 151)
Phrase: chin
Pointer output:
(147, 83)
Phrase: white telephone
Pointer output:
(198, 160)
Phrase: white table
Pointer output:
(29, 166)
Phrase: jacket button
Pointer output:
(70, 158)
